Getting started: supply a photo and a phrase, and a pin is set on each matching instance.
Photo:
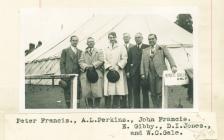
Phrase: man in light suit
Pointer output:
(91, 58)
(69, 64)
(134, 61)
(115, 59)
(152, 67)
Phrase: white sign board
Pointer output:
(178, 78)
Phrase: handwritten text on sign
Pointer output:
(178, 78)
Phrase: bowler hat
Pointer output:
(62, 84)
(92, 75)
(113, 76)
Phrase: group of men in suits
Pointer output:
(140, 67)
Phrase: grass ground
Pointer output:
(44, 97)
(37, 97)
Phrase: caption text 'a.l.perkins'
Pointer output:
(138, 126)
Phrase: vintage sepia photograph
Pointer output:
(108, 59)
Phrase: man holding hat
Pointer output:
(115, 82)
(91, 77)
(69, 65)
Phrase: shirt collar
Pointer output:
(74, 49)
(88, 49)
(139, 46)
(126, 44)
(110, 46)
(154, 46)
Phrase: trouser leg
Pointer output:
(90, 102)
(116, 100)
(108, 101)
(67, 94)
(136, 91)
(137, 100)
(67, 98)
(159, 91)
(78, 92)
(130, 100)
(97, 102)
(153, 93)
(145, 98)
(159, 100)
(123, 101)
(130, 94)
(154, 100)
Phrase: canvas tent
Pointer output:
(46, 59)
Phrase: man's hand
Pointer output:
(128, 75)
(117, 67)
(89, 67)
(142, 77)
(174, 69)
(111, 68)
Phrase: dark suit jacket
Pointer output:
(158, 60)
(128, 48)
(69, 62)
(134, 60)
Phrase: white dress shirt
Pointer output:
(153, 49)
(139, 46)
(74, 49)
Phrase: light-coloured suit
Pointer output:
(152, 67)
(158, 61)
(116, 55)
(96, 59)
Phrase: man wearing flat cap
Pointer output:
(91, 77)
(115, 60)
(69, 65)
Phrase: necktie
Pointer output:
(90, 51)
(139, 48)
(74, 50)
(152, 51)
(126, 46)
